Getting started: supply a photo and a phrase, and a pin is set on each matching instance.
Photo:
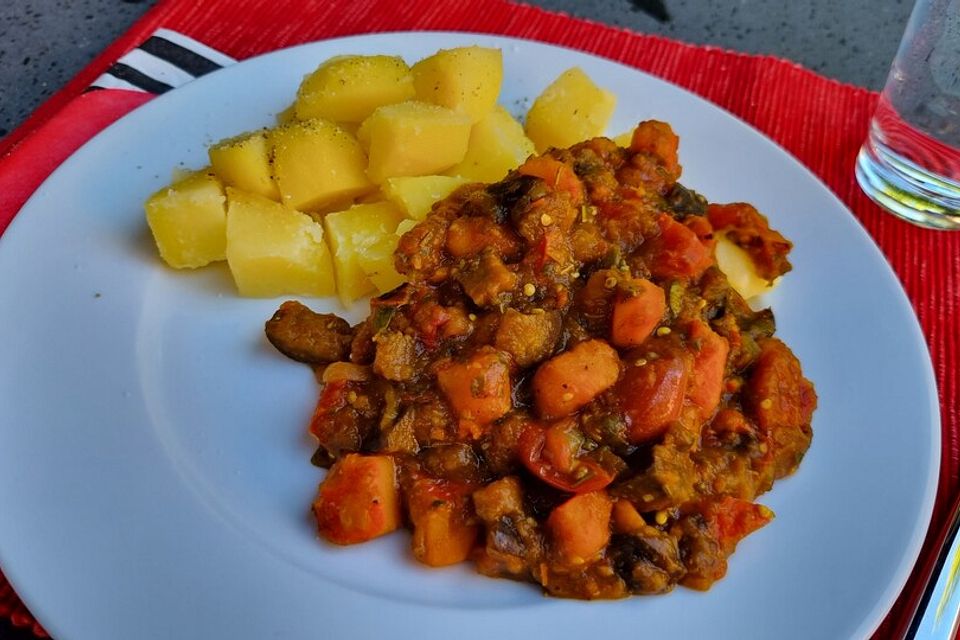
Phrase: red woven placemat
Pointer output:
(820, 121)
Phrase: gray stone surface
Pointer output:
(851, 40)
(43, 43)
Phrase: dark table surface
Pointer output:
(43, 43)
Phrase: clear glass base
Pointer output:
(907, 190)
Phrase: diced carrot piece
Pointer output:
(677, 252)
(557, 174)
(358, 500)
(478, 389)
(580, 527)
(653, 396)
(709, 364)
(777, 394)
(443, 532)
(637, 315)
(626, 518)
(572, 379)
(658, 139)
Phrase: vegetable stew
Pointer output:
(567, 390)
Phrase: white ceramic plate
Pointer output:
(154, 468)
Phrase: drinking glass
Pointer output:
(910, 163)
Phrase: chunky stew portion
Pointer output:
(567, 391)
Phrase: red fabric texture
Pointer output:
(37, 155)
(820, 121)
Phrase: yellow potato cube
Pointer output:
(244, 162)
(370, 198)
(737, 265)
(287, 115)
(362, 239)
(413, 139)
(273, 250)
(378, 265)
(572, 109)
(350, 88)
(404, 226)
(416, 195)
(188, 221)
(466, 79)
(317, 164)
(624, 139)
(497, 145)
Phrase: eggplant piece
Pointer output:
(309, 337)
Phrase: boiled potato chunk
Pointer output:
(188, 221)
(377, 264)
(350, 88)
(737, 265)
(370, 198)
(624, 139)
(497, 145)
(413, 139)
(362, 239)
(570, 110)
(316, 164)
(404, 226)
(273, 250)
(466, 79)
(415, 195)
(244, 162)
(287, 115)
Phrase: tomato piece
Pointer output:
(430, 319)
(658, 139)
(554, 458)
(653, 396)
(677, 252)
(701, 226)
(636, 316)
(333, 397)
(557, 174)
(731, 519)
(562, 444)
